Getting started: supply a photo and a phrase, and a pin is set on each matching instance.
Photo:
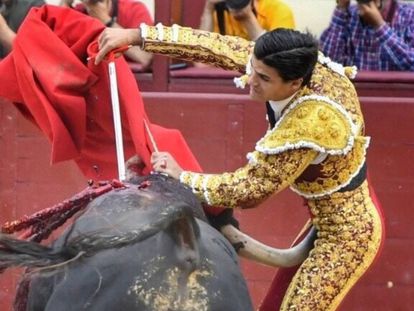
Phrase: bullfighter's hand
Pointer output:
(163, 162)
(113, 38)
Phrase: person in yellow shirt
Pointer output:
(247, 19)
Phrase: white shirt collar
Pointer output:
(279, 105)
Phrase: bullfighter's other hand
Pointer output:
(163, 162)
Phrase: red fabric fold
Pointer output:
(49, 79)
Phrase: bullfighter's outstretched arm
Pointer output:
(249, 185)
(185, 43)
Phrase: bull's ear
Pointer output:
(259, 252)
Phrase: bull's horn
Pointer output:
(257, 251)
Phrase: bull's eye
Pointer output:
(144, 184)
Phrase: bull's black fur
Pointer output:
(179, 203)
(154, 216)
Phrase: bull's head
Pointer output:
(251, 248)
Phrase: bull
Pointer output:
(146, 246)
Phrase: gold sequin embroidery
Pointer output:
(227, 52)
(349, 236)
(251, 184)
(312, 122)
(338, 172)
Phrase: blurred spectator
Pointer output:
(372, 35)
(12, 14)
(118, 14)
(245, 18)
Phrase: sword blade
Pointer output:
(153, 143)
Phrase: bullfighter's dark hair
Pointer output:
(292, 53)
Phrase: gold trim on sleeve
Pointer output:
(263, 176)
(195, 45)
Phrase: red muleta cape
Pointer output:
(49, 79)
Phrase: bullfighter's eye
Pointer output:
(144, 184)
